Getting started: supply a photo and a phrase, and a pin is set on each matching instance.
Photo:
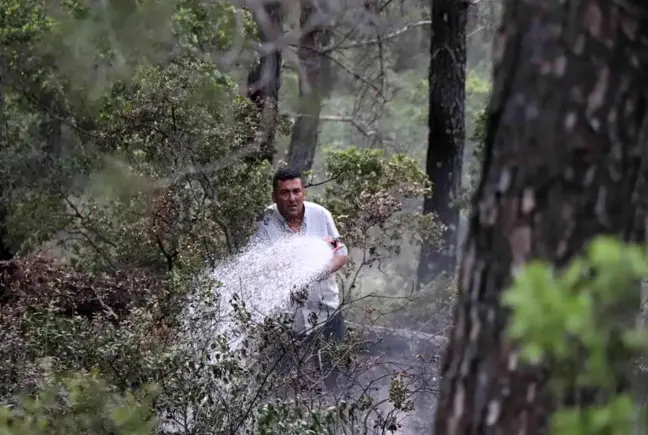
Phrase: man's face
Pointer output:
(289, 197)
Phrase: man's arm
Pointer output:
(340, 254)
(338, 262)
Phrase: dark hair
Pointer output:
(285, 174)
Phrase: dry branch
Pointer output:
(40, 283)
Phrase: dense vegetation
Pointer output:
(137, 153)
(130, 165)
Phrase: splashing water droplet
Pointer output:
(261, 278)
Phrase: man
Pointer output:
(291, 214)
(319, 320)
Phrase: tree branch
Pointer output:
(347, 119)
(387, 37)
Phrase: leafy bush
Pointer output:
(127, 172)
(82, 403)
(580, 322)
(134, 327)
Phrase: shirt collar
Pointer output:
(284, 222)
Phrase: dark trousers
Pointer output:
(314, 349)
(332, 333)
(334, 330)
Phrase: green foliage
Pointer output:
(82, 403)
(478, 90)
(142, 155)
(211, 26)
(580, 322)
(282, 419)
(614, 417)
(479, 136)
(366, 194)
(473, 166)
(21, 23)
(34, 219)
(125, 148)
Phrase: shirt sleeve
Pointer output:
(260, 236)
(333, 233)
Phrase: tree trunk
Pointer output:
(446, 134)
(313, 85)
(264, 81)
(564, 161)
(5, 251)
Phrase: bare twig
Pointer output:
(363, 129)
(387, 37)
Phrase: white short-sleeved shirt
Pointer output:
(324, 296)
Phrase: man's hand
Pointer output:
(335, 244)
(337, 262)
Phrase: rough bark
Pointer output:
(5, 251)
(313, 85)
(264, 81)
(446, 133)
(565, 156)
